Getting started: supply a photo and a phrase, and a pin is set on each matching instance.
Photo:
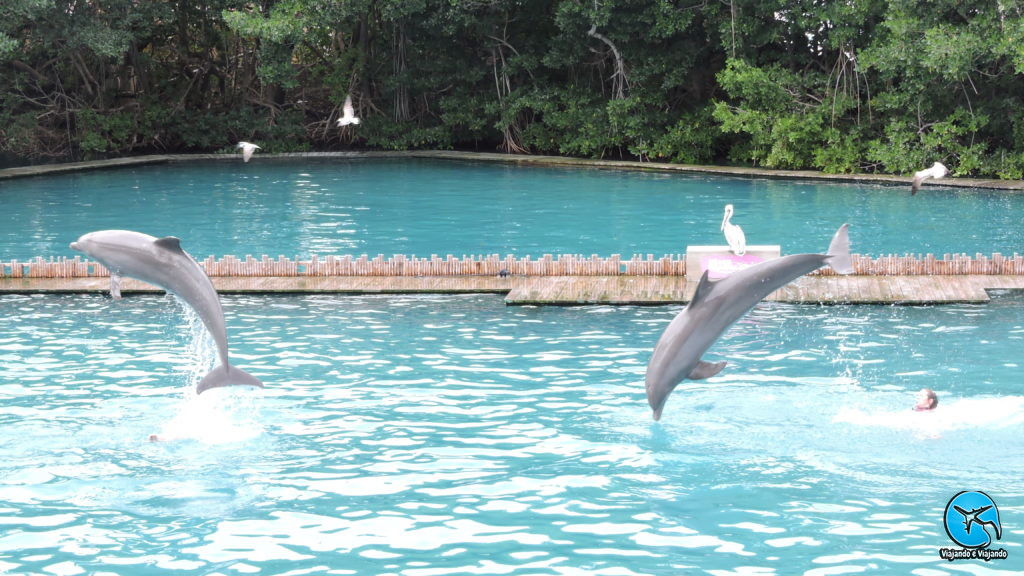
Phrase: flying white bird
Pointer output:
(247, 149)
(936, 171)
(348, 114)
(733, 233)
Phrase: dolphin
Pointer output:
(716, 305)
(162, 262)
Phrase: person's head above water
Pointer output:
(926, 400)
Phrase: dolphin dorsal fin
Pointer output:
(703, 289)
(169, 243)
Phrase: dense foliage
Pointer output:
(842, 86)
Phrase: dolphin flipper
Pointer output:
(230, 376)
(839, 251)
(706, 370)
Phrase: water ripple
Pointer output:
(431, 435)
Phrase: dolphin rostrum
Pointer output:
(163, 263)
(716, 305)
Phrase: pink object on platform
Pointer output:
(721, 266)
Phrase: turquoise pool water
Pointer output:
(424, 207)
(454, 435)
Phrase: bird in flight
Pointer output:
(348, 113)
(938, 170)
(247, 149)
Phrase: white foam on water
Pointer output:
(960, 414)
(217, 416)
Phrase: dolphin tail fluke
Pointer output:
(229, 376)
(839, 251)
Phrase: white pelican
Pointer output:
(938, 170)
(348, 114)
(733, 233)
(247, 149)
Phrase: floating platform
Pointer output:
(573, 290)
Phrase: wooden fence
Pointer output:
(930, 265)
(493, 265)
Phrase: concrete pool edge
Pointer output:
(538, 160)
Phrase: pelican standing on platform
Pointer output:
(348, 113)
(247, 149)
(938, 170)
(733, 234)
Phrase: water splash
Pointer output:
(219, 415)
(961, 414)
(200, 348)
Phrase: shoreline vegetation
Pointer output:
(526, 160)
(863, 88)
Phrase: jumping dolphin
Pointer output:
(716, 305)
(163, 263)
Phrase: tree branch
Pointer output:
(619, 79)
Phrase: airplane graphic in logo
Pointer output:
(972, 517)
(966, 513)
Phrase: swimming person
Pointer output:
(926, 400)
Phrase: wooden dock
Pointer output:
(573, 290)
(556, 280)
(806, 290)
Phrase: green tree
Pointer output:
(874, 85)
